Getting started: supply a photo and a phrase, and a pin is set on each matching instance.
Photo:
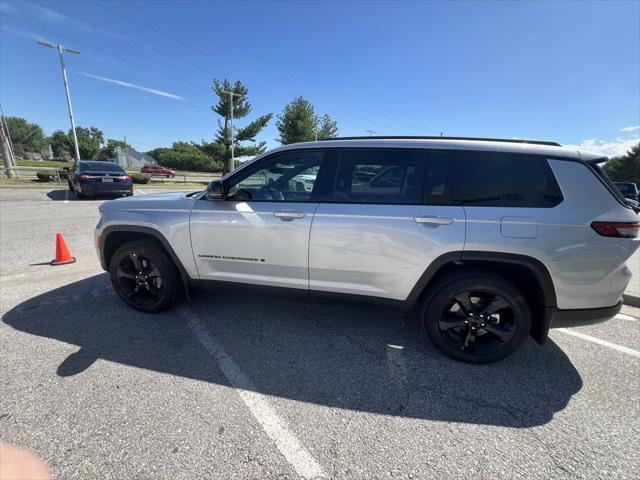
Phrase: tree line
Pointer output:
(297, 123)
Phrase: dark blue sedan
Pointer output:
(93, 177)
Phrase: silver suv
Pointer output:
(490, 240)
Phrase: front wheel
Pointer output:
(476, 318)
(144, 277)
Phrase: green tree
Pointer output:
(89, 142)
(327, 128)
(25, 136)
(61, 144)
(625, 168)
(186, 156)
(241, 108)
(108, 151)
(299, 123)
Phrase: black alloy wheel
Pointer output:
(477, 319)
(144, 277)
(478, 322)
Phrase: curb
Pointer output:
(631, 300)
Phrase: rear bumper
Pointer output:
(582, 317)
(106, 188)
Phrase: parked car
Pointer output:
(93, 177)
(159, 171)
(490, 241)
(628, 189)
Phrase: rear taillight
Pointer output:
(83, 178)
(124, 178)
(617, 229)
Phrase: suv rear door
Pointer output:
(387, 215)
(260, 233)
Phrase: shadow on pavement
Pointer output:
(350, 356)
(66, 194)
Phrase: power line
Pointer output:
(108, 54)
(121, 36)
(157, 30)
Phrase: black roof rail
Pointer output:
(477, 139)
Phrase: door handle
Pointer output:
(288, 214)
(433, 220)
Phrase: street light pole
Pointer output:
(233, 163)
(61, 49)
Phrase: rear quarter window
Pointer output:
(504, 180)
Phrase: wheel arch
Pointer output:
(114, 236)
(529, 274)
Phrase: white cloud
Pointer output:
(24, 34)
(630, 129)
(608, 148)
(132, 85)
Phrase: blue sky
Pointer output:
(564, 71)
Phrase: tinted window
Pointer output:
(504, 179)
(100, 167)
(379, 176)
(288, 177)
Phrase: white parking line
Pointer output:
(140, 191)
(275, 427)
(622, 316)
(604, 343)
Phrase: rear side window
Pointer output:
(505, 180)
(391, 176)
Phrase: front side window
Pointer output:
(379, 176)
(287, 177)
(505, 180)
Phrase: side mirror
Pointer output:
(215, 190)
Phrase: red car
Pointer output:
(157, 170)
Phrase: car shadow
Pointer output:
(345, 355)
(66, 194)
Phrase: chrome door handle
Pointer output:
(288, 214)
(433, 220)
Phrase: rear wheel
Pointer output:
(476, 318)
(143, 277)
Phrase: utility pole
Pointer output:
(233, 163)
(126, 149)
(8, 135)
(6, 152)
(370, 132)
(61, 49)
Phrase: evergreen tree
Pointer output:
(248, 133)
(299, 123)
(327, 128)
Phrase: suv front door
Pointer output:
(259, 233)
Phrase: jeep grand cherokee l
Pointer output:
(491, 241)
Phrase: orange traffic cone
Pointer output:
(62, 252)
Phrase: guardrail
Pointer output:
(34, 169)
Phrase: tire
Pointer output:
(456, 317)
(155, 264)
(80, 195)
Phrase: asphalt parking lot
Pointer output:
(245, 386)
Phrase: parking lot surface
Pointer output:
(246, 386)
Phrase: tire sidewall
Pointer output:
(168, 272)
(435, 304)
